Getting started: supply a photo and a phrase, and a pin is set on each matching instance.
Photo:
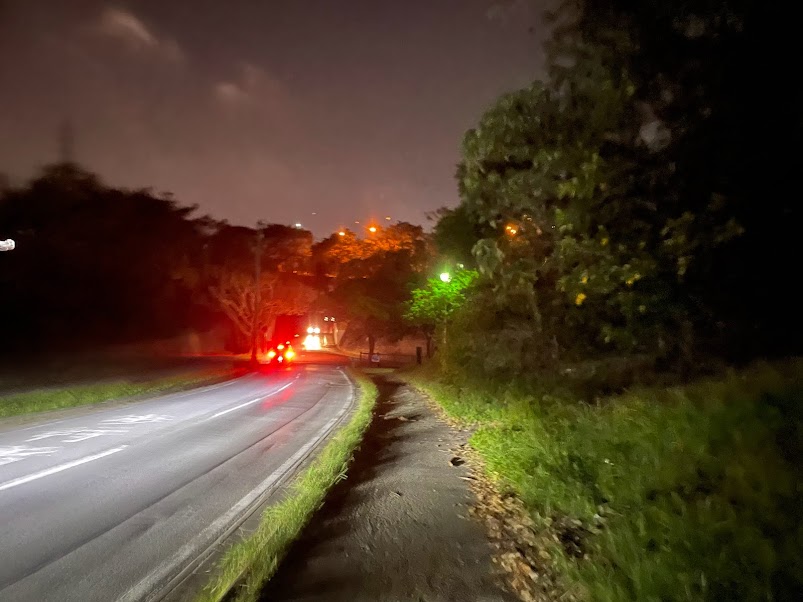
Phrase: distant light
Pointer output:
(372, 229)
(298, 225)
(312, 342)
(446, 277)
(326, 319)
(512, 230)
(388, 218)
(332, 318)
(356, 222)
(309, 330)
(316, 330)
(341, 233)
(7, 245)
(460, 265)
(314, 213)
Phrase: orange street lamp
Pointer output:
(511, 230)
(341, 233)
(372, 229)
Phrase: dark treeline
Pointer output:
(95, 265)
(641, 200)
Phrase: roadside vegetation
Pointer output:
(59, 398)
(610, 312)
(678, 493)
(248, 564)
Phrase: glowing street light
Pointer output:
(341, 233)
(445, 277)
(511, 230)
(387, 218)
(298, 225)
(372, 229)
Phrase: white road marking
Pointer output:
(249, 402)
(134, 419)
(77, 435)
(15, 453)
(59, 468)
(186, 553)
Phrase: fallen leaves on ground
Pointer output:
(523, 551)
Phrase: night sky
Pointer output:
(263, 110)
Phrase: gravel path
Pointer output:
(397, 528)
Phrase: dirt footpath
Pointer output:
(397, 528)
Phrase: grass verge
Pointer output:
(80, 395)
(684, 493)
(249, 564)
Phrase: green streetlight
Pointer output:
(446, 277)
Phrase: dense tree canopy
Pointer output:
(628, 203)
(91, 261)
(370, 279)
(96, 265)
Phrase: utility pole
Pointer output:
(257, 293)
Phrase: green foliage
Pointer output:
(455, 234)
(683, 493)
(613, 207)
(371, 282)
(432, 305)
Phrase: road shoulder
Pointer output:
(398, 528)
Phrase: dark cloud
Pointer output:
(263, 110)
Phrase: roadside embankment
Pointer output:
(250, 563)
(683, 493)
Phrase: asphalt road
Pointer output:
(112, 504)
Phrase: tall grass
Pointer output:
(249, 564)
(685, 493)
